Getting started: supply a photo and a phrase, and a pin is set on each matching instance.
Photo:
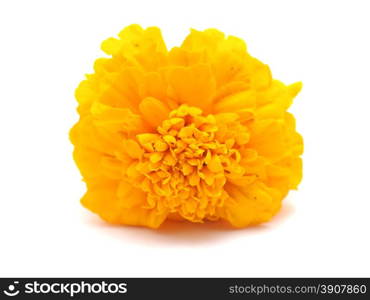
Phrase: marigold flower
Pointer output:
(199, 132)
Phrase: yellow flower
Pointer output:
(200, 132)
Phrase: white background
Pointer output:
(323, 230)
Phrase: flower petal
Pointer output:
(101, 198)
(153, 111)
(251, 205)
(194, 85)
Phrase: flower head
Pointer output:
(200, 132)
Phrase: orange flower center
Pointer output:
(185, 165)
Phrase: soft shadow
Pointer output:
(186, 233)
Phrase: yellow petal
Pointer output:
(236, 102)
(123, 207)
(215, 164)
(133, 149)
(117, 119)
(251, 205)
(153, 111)
(194, 85)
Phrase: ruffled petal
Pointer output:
(153, 111)
(112, 200)
(141, 48)
(194, 85)
(253, 205)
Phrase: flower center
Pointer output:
(185, 165)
